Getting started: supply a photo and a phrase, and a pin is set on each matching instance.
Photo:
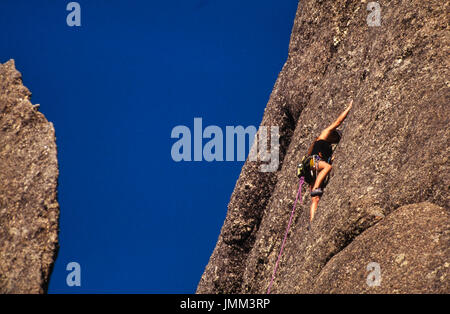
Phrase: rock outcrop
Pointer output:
(29, 209)
(411, 247)
(387, 201)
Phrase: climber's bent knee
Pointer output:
(324, 166)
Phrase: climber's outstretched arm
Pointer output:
(325, 133)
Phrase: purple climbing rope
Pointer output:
(299, 193)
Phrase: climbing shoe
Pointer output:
(317, 192)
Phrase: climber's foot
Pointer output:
(309, 227)
(317, 192)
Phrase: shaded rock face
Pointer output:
(389, 188)
(29, 210)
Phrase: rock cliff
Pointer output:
(29, 210)
(387, 201)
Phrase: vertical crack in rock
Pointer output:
(29, 209)
(393, 153)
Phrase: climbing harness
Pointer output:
(309, 168)
(299, 195)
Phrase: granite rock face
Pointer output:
(29, 209)
(389, 188)
(411, 247)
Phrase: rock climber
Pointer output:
(321, 151)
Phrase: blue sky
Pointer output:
(114, 88)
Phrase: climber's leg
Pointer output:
(324, 169)
(314, 204)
